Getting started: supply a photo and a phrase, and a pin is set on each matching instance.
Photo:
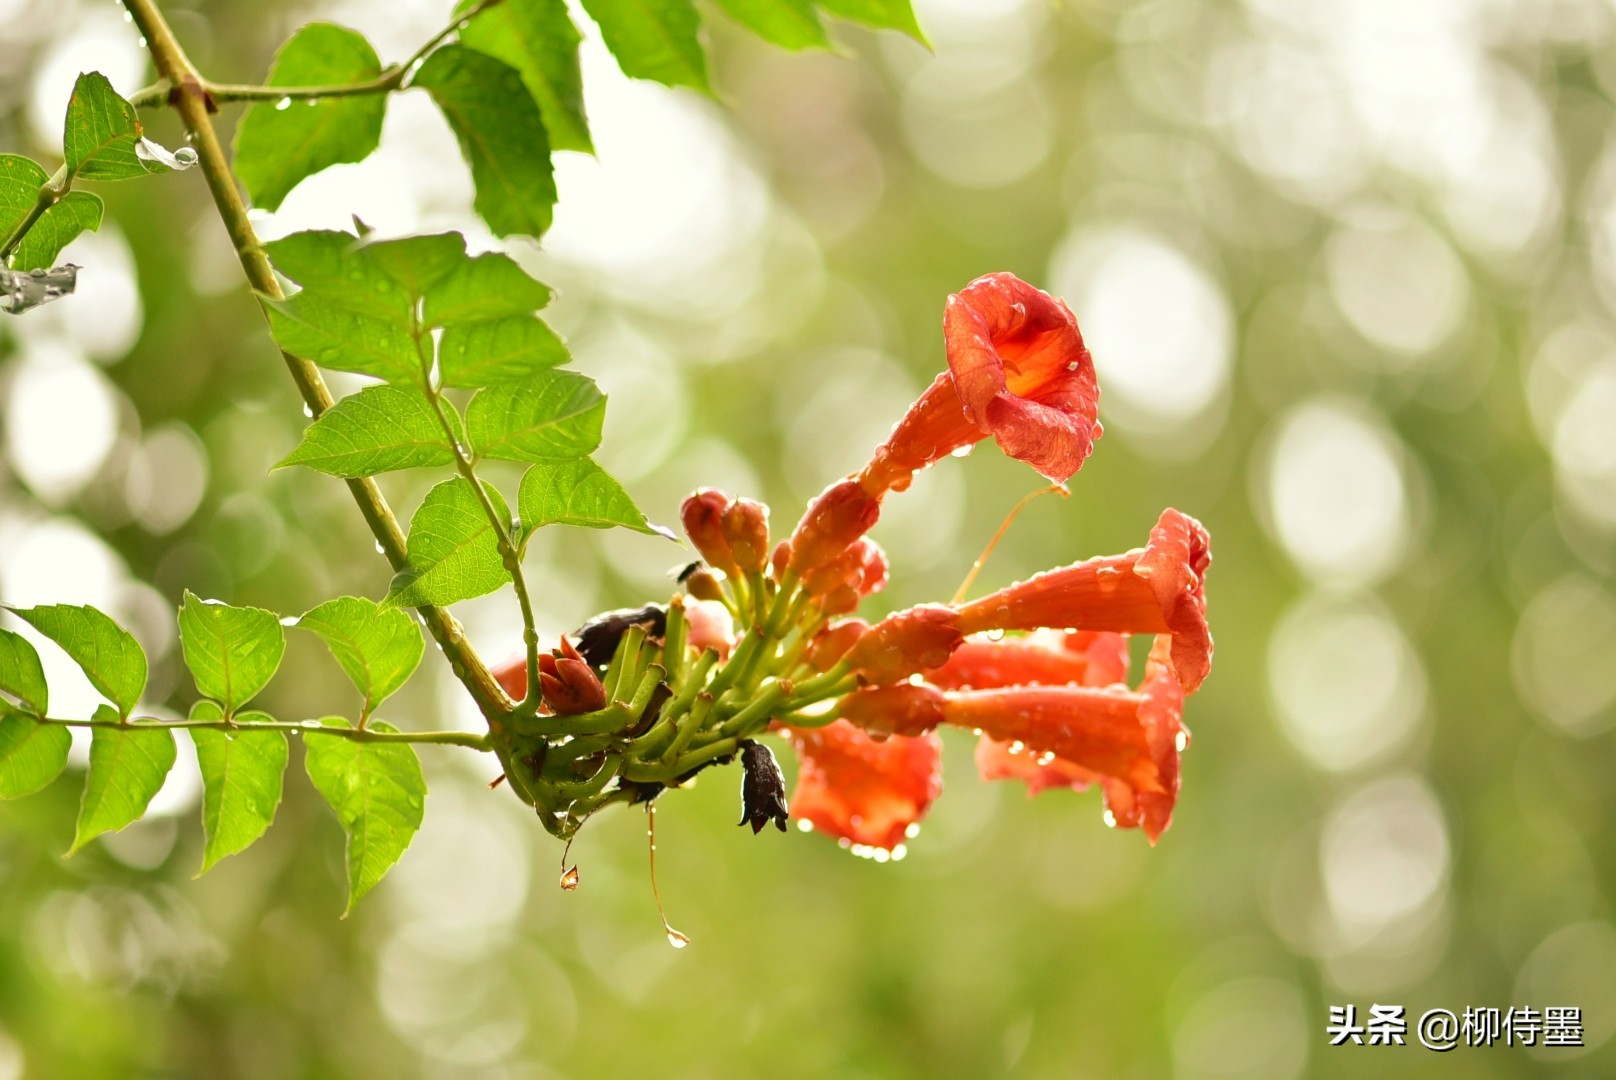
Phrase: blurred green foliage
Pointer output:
(1376, 238)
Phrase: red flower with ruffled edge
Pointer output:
(1157, 589)
(1017, 370)
(864, 792)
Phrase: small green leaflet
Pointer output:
(102, 140)
(653, 39)
(554, 414)
(74, 213)
(379, 429)
(241, 781)
(501, 135)
(498, 350)
(790, 24)
(20, 181)
(537, 39)
(577, 492)
(31, 754)
(109, 654)
(318, 328)
(487, 286)
(378, 794)
(378, 647)
(879, 14)
(280, 145)
(232, 651)
(453, 550)
(127, 767)
(21, 675)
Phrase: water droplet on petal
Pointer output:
(569, 879)
(676, 939)
(963, 451)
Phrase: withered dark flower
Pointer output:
(763, 788)
(598, 638)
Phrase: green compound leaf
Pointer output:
(378, 794)
(31, 754)
(790, 24)
(21, 675)
(653, 39)
(537, 39)
(501, 135)
(279, 145)
(577, 492)
(554, 414)
(109, 654)
(498, 350)
(241, 781)
(102, 138)
(232, 651)
(453, 549)
(378, 647)
(878, 14)
(379, 429)
(74, 213)
(489, 286)
(127, 767)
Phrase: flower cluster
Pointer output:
(768, 639)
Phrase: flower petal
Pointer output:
(863, 791)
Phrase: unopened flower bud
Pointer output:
(836, 518)
(907, 642)
(568, 683)
(832, 643)
(705, 584)
(746, 528)
(702, 515)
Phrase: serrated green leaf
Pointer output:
(315, 327)
(537, 39)
(241, 781)
(21, 675)
(127, 768)
(653, 39)
(499, 350)
(232, 651)
(879, 14)
(489, 286)
(790, 24)
(379, 429)
(453, 549)
(576, 492)
(328, 264)
(378, 647)
(553, 414)
(102, 137)
(110, 656)
(378, 794)
(501, 135)
(277, 147)
(72, 214)
(31, 754)
(20, 181)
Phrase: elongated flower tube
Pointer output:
(905, 643)
(1157, 589)
(1048, 657)
(1017, 370)
(1070, 736)
(862, 791)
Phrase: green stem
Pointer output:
(389, 80)
(363, 735)
(191, 101)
